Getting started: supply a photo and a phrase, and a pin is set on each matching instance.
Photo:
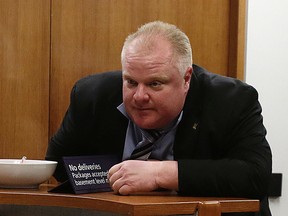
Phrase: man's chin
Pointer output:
(146, 124)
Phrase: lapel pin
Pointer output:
(195, 126)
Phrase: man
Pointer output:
(204, 132)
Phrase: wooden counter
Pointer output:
(155, 203)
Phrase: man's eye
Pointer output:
(155, 84)
(131, 82)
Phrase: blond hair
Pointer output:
(179, 41)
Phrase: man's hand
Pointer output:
(142, 176)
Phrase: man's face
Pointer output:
(153, 89)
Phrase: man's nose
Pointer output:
(141, 93)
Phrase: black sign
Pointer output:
(88, 174)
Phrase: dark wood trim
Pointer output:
(237, 39)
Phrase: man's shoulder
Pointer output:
(219, 84)
(106, 81)
(99, 87)
(102, 79)
(209, 78)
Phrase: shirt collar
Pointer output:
(122, 109)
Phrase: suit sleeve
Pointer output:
(89, 121)
(65, 140)
(240, 162)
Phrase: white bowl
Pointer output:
(29, 174)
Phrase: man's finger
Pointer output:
(113, 169)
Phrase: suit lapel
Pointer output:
(188, 129)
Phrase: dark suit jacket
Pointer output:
(220, 143)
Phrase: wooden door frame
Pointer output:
(237, 39)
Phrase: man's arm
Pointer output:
(239, 160)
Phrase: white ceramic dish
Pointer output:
(25, 174)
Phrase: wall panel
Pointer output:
(24, 77)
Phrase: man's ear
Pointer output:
(187, 77)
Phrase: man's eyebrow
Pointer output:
(160, 77)
(127, 76)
